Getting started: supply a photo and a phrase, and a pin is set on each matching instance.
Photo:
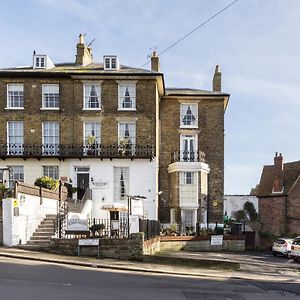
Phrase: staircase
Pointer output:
(41, 237)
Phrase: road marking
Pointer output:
(31, 281)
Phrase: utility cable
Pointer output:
(188, 34)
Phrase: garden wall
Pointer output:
(202, 243)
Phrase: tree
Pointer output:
(248, 213)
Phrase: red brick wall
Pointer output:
(272, 214)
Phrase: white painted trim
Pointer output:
(182, 166)
(49, 108)
(14, 108)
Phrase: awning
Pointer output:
(115, 207)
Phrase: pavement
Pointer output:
(195, 264)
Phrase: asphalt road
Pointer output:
(35, 280)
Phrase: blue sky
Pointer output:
(255, 42)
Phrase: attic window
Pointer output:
(111, 62)
(39, 62)
(42, 61)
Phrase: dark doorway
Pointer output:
(82, 184)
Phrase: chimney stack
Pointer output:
(154, 62)
(84, 54)
(278, 173)
(216, 84)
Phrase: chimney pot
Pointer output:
(217, 84)
(155, 62)
(278, 173)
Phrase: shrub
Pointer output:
(47, 182)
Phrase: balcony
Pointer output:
(188, 156)
(188, 161)
(76, 151)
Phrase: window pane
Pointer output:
(16, 174)
(15, 138)
(50, 96)
(92, 96)
(15, 95)
(50, 138)
(121, 183)
(189, 115)
(51, 171)
(127, 96)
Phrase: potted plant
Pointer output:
(91, 140)
(124, 146)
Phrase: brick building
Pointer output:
(115, 131)
(279, 197)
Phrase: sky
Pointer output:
(255, 42)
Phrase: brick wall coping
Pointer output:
(198, 238)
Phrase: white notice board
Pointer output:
(216, 240)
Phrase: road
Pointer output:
(20, 279)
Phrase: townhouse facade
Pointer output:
(115, 131)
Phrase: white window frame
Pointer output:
(183, 113)
(17, 97)
(87, 102)
(188, 155)
(51, 171)
(50, 147)
(121, 189)
(16, 174)
(87, 132)
(188, 191)
(131, 88)
(191, 222)
(50, 96)
(15, 137)
(123, 129)
(39, 61)
(110, 62)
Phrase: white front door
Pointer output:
(189, 149)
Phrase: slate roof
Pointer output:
(192, 92)
(291, 172)
(72, 68)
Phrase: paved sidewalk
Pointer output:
(153, 265)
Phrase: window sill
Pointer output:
(98, 109)
(127, 109)
(189, 126)
(14, 108)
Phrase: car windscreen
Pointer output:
(281, 242)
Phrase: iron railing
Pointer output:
(188, 156)
(151, 228)
(76, 151)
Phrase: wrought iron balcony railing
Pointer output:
(188, 156)
(76, 151)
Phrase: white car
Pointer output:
(295, 249)
(282, 246)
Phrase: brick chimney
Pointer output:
(278, 173)
(84, 54)
(216, 84)
(154, 62)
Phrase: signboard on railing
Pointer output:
(137, 207)
(216, 240)
(76, 224)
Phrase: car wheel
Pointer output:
(296, 259)
(289, 255)
(274, 253)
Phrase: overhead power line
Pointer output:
(195, 29)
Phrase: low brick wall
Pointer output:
(110, 248)
(152, 246)
(201, 243)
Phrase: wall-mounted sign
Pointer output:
(77, 225)
(137, 207)
(216, 240)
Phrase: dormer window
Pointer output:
(42, 61)
(111, 62)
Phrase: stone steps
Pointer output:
(40, 239)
